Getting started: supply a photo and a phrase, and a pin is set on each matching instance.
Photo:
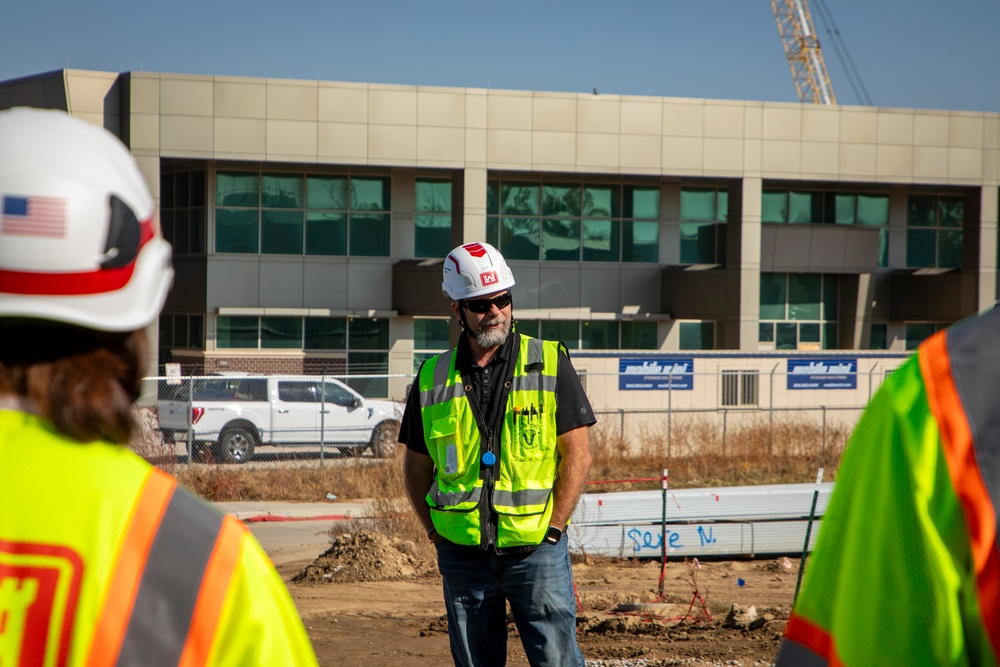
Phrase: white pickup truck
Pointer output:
(231, 414)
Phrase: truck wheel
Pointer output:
(383, 442)
(235, 446)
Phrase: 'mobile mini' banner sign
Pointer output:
(820, 373)
(656, 373)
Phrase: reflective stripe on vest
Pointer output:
(960, 367)
(172, 544)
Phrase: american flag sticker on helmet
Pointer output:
(33, 216)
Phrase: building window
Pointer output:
(574, 222)
(703, 210)
(430, 338)
(878, 337)
(934, 231)
(832, 207)
(179, 331)
(798, 311)
(432, 223)
(916, 333)
(295, 214)
(740, 387)
(592, 334)
(182, 210)
(697, 336)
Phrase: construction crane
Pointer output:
(798, 36)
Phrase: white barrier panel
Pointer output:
(726, 521)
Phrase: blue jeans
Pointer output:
(539, 588)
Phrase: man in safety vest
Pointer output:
(497, 454)
(906, 568)
(103, 559)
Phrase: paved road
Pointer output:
(294, 532)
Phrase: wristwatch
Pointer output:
(553, 535)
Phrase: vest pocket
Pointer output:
(449, 454)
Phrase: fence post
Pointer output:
(670, 414)
(770, 413)
(322, 419)
(621, 424)
(725, 419)
(871, 372)
(824, 431)
(190, 422)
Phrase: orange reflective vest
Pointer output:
(104, 561)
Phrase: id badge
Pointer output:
(451, 460)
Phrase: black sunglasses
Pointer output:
(483, 305)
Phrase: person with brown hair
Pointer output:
(104, 560)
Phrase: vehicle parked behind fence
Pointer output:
(231, 414)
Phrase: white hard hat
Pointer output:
(475, 269)
(78, 242)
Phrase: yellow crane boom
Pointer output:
(805, 59)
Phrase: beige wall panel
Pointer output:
(441, 144)
(724, 120)
(781, 158)
(894, 161)
(186, 96)
(342, 103)
(595, 114)
(475, 147)
(965, 131)
(392, 107)
(240, 99)
(346, 141)
(820, 124)
(508, 147)
(991, 131)
(476, 108)
(144, 131)
(858, 160)
(991, 165)
(641, 117)
(859, 126)
(724, 156)
(683, 119)
(782, 123)
(392, 144)
(682, 153)
(753, 121)
(895, 127)
(240, 136)
(598, 151)
(291, 139)
(752, 157)
(930, 162)
(369, 284)
(325, 282)
(97, 118)
(557, 114)
(553, 149)
(820, 158)
(640, 154)
(930, 129)
(965, 163)
(149, 165)
(85, 91)
(509, 111)
(440, 109)
(287, 101)
(145, 93)
(186, 135)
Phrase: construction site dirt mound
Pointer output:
(364, 556)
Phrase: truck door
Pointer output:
(346, 418)
(295, 417)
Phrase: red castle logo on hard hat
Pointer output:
(488, 278)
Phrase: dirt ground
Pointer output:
(370, 600)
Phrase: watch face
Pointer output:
(553, 535)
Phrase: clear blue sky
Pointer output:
(929, 54)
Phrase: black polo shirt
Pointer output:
(572, 405)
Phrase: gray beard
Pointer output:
(491, 338)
